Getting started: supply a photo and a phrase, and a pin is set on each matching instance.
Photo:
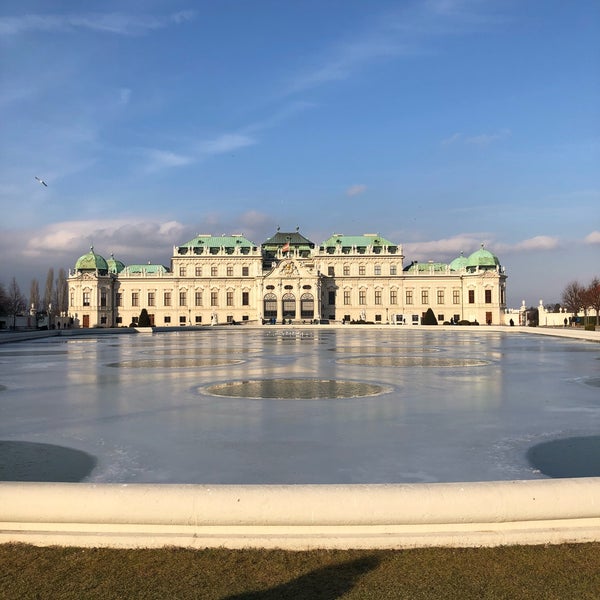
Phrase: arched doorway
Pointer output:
(289, 306)
(270, 306)
(307, 306)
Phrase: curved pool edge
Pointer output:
(302, 517)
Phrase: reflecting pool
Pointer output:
(299, 405)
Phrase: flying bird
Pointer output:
(41, 181)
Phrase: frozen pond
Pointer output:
(299, 405)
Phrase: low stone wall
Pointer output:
(301, 517)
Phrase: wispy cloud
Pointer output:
(446, 248)
(115, 23)
(356, 190)
(481, 139)
(592, 238)
(407, 31)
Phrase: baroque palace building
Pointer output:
(229, 279)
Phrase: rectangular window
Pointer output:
(198, 298)
(440, 318)
(245, 271)
(377, 318)
(214, 298)
(182, 320)
(213, 271)
(103, 298)
(135, 299)
(119, 320)
(347, 297)
(455, 296)
(393, 297)
(167, 319)
(150, 298)
(229, 271)
(331, 271)
(377, 269)
(119, 299)
(198, 272)
(181, 271)
(86, 298)
(393, 270)
(167, 299)
(346, 270)
(103, 320)
(182, 299)
(377, 296)
(488, 296)
(362, 270)
(245, 298)
(362, 297)
(229, 298)
(440, 296)
(424, 296)
(409, 297)
(471, 296)
(198, 319)
(331, 297)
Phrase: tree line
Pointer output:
(578, 298)
(54, 301)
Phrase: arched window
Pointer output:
(307, 306)
(289, 306)
(270, 306)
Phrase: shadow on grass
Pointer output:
(568, 457)
(327, 583)
(30, 461)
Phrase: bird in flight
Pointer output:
(41, 181)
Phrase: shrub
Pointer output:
(429, 318)
(464, 322)
(590, 328)
(144, 320)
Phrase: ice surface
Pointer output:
(141, 405)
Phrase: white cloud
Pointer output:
(456, 137)
(355, 190)
(444, 249)
(116, 23)
(592, 238)
(538, 243)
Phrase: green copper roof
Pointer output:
(147, 269)
(459, 263)
(368, 239)
(482, 258)
(114, 265)
(219, 241)
(91, 262)
(426, 267)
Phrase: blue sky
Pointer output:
(439, 124)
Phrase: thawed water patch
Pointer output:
(413, 361)
(175, 363)
(567, 457)
(593, 381)
(302, 389)
(31, 461)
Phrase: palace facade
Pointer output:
(229, 279)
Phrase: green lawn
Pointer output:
(516, 572)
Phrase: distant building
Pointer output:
(229, 279)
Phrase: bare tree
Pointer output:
(61, 293)
(16, 303)
(3, 300)
(573, 297)
(49, 290)
(34, 295)
(592, 295)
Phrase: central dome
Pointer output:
(92, 262)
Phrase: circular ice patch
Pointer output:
(412, 361)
